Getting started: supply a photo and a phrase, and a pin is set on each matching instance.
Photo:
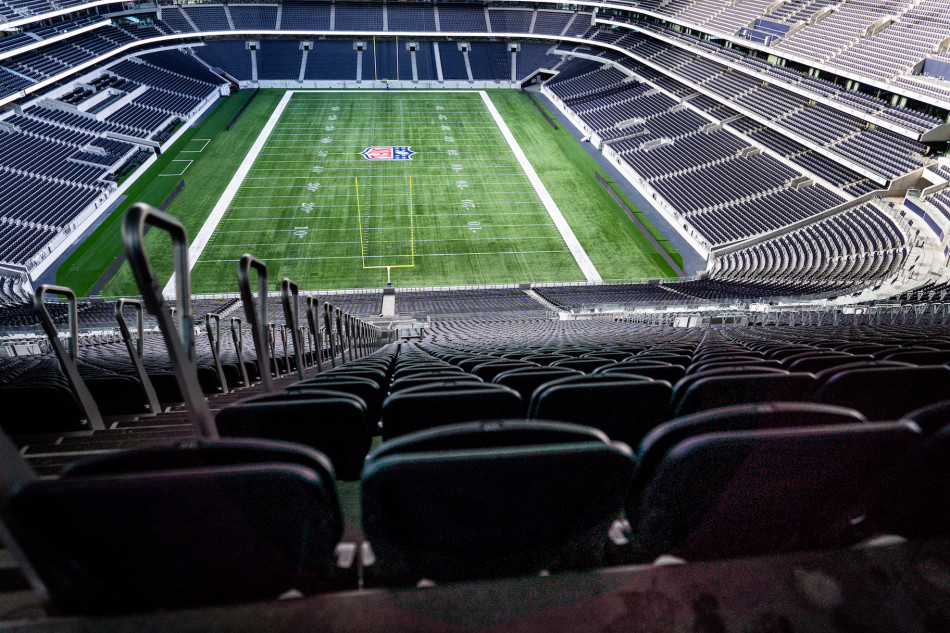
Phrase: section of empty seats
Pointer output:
(860, 244)
(279, 59)
(578, 296)
(410, 17)
(305, 16)
(331, 60)
(175, 18)
(490, 60)
(63, 150)
(233, 57)
(209, 17)
(551, 22)
(182, 62)
(385, 59)
(462, 18)
(359, 17)
(453, 62)
(425, 62)
(465, 301)
(262, 17)
(510, 20)
(532, 57)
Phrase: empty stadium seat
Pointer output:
(526, 380)
(655, 370)
(930, 418)
(456, 502)
(913, 499)
(187, 525)
(624, 407)
(886, 393)
(333, 422)
(364, 388)
(710, 392)
(741, 493)
(426, 406)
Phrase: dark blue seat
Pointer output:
(173, 526)
(430, 405)
(725, 389)
(487, 499)
(332, 422)
(886, 393)
(749, 492)
(622, 406)
(913, 499)
(656, 370)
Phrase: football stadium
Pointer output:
(612, 315)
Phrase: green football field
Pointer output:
(459, 208)
(289, 184)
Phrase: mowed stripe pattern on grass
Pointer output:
(475, 217)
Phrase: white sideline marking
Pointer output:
(219, 209)
(580, 256)
(183, 170)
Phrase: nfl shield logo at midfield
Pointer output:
(387, 153)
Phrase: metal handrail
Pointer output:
(214, 341)
(67, 356)
(137, 350)
(237, 335)
(313, 318)
(328, 313)
(180, 343)
(256, 321)
(289, 294)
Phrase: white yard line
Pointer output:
(580, 256)
(219, 209)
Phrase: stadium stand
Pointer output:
(789, 401)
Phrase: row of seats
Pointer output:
(264, 516)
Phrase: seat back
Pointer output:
(427, 406)
(913, 499)
(180, 526)
(482, 512)
(624, 407)
(365, 389)
(657, 371)
(921, 357)
(489, 369)
(710, 392)
(332, 422)
(820, 362)
(525, 381)
(930, 418)
(743, 417)
(586, 365)
(418, 380)
(886, 393)
(761, 491)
